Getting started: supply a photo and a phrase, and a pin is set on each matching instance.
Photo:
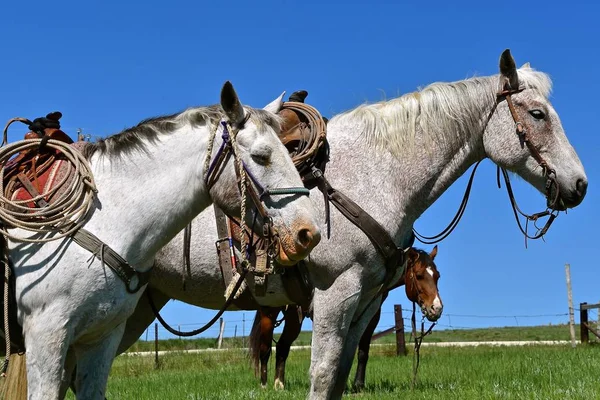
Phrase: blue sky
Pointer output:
(107, 65)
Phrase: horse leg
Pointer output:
(364, 346)
(142, 317)
(93, 364)
(267, 325)
(68, 372)
(47, 346)
(333, 310)
(353, 337)
(293, 318)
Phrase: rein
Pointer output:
(418, 341)
(209, 323)
(550, 174)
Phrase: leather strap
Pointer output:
(223, 246)
(133, 279)
(380, 238)
(40, 202)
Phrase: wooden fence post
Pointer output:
(399, 328)
(155, 345)
(583, 320)
(570, 299)
(220, 339)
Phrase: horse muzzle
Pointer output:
(296, 244)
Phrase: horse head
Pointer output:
(421, 280)
(279, 195)
(540, 151)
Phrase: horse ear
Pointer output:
(275, 106)
(509, 79)
(526, 66)
(231, 104)
(433, 252)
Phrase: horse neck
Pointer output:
(405, 184)
(146, 197)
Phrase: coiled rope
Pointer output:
(66, 214)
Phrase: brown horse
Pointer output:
(420, 279)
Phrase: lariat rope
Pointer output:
(66, 214)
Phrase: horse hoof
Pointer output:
(278, 385)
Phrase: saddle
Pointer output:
(34, 172)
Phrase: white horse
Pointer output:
(394, 158)
(150, 182)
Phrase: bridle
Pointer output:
(267, 249)
(248, 185)
(549, 174)
(417, 339)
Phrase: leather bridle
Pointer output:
(251, 187)
(549, 174)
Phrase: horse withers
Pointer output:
(420, 279)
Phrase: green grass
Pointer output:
(546, 332)
(531, 372)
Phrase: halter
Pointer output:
(268, 249)
(549, 173)
(418, 339)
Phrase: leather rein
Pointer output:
(549, 174)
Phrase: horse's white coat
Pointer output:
(71, 307)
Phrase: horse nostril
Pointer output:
(581, 187)
(305, 238)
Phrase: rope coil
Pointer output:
(66, 214)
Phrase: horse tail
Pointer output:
(15, 382)
(254, 343)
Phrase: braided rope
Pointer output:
(242, 171)
(6, 323)
(66, 214)
(240, 168)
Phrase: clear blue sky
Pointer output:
(107, 65)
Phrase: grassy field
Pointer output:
(531, 372)
(546, 332)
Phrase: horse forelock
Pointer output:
(442, 112)
(146, 132)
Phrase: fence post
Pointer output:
(570, 299)
(399, 328)
(583, 319)
(155, 345)
(220, 339)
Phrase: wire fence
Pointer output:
(241, 327)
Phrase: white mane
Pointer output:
(443, 111)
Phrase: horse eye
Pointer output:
(537, 114)
(420, 276)
(261, 158)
